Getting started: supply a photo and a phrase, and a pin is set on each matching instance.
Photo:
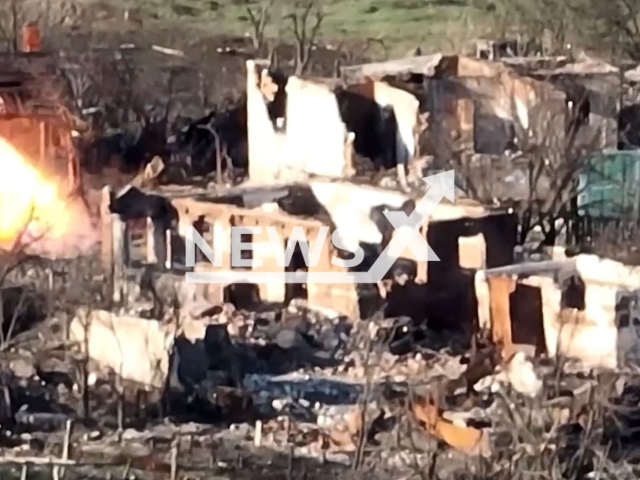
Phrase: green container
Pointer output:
(609, 185)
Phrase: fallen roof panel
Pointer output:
(424, 65)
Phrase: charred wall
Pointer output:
(375, 130)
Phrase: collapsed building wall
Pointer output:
(136, 237)
(309, 139)
(133, 349)
(593, 92)
(451, 118)
(482, 105)
(471, 105)
(150, 353)
(340, 297)
(594, 106)
(583, 308)
(131, 242)
(397, 111)
(473, 234)
(321, 125)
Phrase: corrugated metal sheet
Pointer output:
(609, 186)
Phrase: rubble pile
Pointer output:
(293, 384)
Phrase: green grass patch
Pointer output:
(402, 24)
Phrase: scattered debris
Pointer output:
(466, 439)
(168, 51)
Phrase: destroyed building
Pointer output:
(583, 307)
(33, 116)
(308, 139)
(472, 105)
(299, 171)
(308, 159)
(464, 236)
(485, 118)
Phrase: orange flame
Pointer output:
(29, 203)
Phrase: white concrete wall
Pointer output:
(264, 153)
(135, 349)
(314, 141)
(405, 106)
(481, 286)
(593, 335)
(315, 132)
(574, 334)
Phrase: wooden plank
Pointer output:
(500, 288)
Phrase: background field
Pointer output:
(400, 24)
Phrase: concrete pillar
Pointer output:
(156, 243)
(422, 267)
(168, 264)
(222, 240)
(120, 247)
(342, 298)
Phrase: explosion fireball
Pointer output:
(33, 205)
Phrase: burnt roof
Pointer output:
(23, 79)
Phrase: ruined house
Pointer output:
(460, 235)
(592, 89)
(301, 141)
(583, 307)
(145, 257)
(32, 118)
(299, 127)
(390, 113)
(303, 135)
(485, 107)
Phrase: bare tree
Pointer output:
(548, 21)
(613, 26)
(552, 151)
(603, 26)
(354, 52)
(259, 17)
(305, 31)
(554, 161)
(11, 16)
(10, 261)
